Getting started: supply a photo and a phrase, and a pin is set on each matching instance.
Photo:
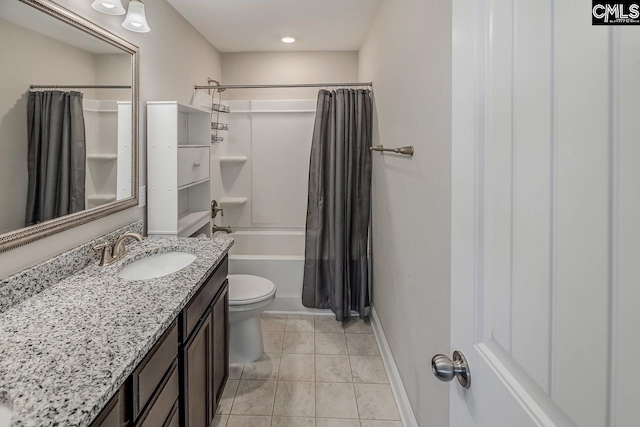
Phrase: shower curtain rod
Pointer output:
(370, 84)
(78, 87)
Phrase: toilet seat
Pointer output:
(246, 289)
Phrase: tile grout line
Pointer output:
(315, 381)
(355, 396)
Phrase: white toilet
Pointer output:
(248, 297)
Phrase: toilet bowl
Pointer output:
(248, 297)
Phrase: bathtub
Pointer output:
(277, 256)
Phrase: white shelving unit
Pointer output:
(125, 153)
(178, 163)
(101, 132)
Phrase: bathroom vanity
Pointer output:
(184, 374)
(97, 350)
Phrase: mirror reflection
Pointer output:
(65, 119)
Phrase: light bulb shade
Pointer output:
(110, 7)
(136, 20)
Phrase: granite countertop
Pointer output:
(65, 351)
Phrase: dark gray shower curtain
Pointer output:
(57, 155)
(338, 211)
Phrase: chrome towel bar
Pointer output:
(407, 151)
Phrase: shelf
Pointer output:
(101, 198)
(191, 184)
(190, 222)
(216, 108)
(193, 146)
(94, 110)
(182, 108)
(102, 158)
(233, 159)
(233, 201)
(271, 111)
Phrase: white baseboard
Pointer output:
(301, 313)
(305, 312)
(402, 400)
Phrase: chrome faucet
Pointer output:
(215, 228)
(115, 252)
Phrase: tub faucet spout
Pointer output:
(215, 229)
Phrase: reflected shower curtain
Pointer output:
(57, 155)
(336, 266)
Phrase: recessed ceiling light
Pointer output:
(288, 39)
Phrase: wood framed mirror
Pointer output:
(68, 121)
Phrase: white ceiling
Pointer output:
(258, 25)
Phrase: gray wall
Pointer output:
(407, 55)
(66, 65)
(174, 57)
(110, 70)
(286, 68)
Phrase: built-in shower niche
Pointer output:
(230, 168)
(108, 145)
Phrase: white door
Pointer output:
(545, 215)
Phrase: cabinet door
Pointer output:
(193, 164)
(172, 421)
(159, 410)
(153, 369)
(114, 414)
(197, 376)
(220, 362)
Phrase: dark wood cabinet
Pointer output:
(197, 356)
(174, 417)
(115, 413)
(206, 363)
(220, 362)
(149, 375)
(158, 412)
(180, 381)
(201, 301)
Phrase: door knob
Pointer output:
(446, 369)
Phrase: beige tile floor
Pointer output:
(315, 372)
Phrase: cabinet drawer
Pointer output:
(199, 303)
(160, 409)
(193, 164)
(174, 416)
(220, 331)
(114, 414)
(148, 375)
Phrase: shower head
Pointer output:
(217, 84)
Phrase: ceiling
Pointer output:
(258, 25)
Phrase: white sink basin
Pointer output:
(5, 415)
(155, 266)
